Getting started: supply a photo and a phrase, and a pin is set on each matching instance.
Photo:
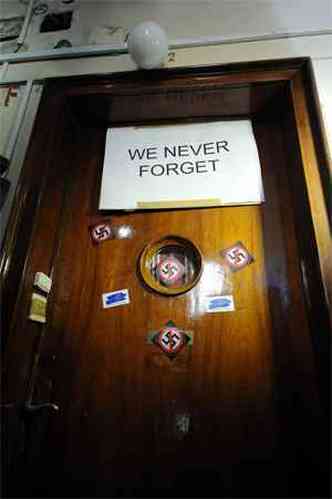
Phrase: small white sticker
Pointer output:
(43, 282)
(223, 303)
(116, 298)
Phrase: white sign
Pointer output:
(201, 164)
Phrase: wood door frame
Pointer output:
(29, 219)
(296, 72)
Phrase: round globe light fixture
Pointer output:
(148, 45)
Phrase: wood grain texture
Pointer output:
(293, 352)
(313, 292)
(117, 385)
(314, 183)
(248, 393)
(21, 224)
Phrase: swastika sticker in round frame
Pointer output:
(170, 266)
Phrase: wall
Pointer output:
(323, 75)
(181, 19)
(9, 101)
(22, 141)
(228, 18)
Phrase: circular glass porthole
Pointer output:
(170, 266)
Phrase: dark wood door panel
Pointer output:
(125, 396)
(212, 102)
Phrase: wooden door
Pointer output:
(239, 413)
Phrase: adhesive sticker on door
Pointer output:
(237, 256)
(38, 308)
(101, 232)
(170, 271)
(223, 303)
(171, 265)
(116, 298)
(171, 339)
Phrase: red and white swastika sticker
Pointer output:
(101, 232)
(171, 340)
(237, 256)
(170, 271)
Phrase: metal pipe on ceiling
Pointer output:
(121, 48)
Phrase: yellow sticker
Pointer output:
(38, 308)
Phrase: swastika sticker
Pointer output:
(101, 232)
(237, 256)
(171, 339)
(170, 271)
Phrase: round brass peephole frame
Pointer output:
(170, 266)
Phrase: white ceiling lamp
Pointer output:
(148, 45)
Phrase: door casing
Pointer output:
(252, 90)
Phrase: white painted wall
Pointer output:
(17, 159)
(9, 103)
(181, 18)
(229, 18)
(323, 75)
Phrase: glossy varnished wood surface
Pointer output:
(284, 237)
(123, 394)
(315, 190)
(217, 100)
(249, 386)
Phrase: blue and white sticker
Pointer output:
(223, 303)
(116, 298)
